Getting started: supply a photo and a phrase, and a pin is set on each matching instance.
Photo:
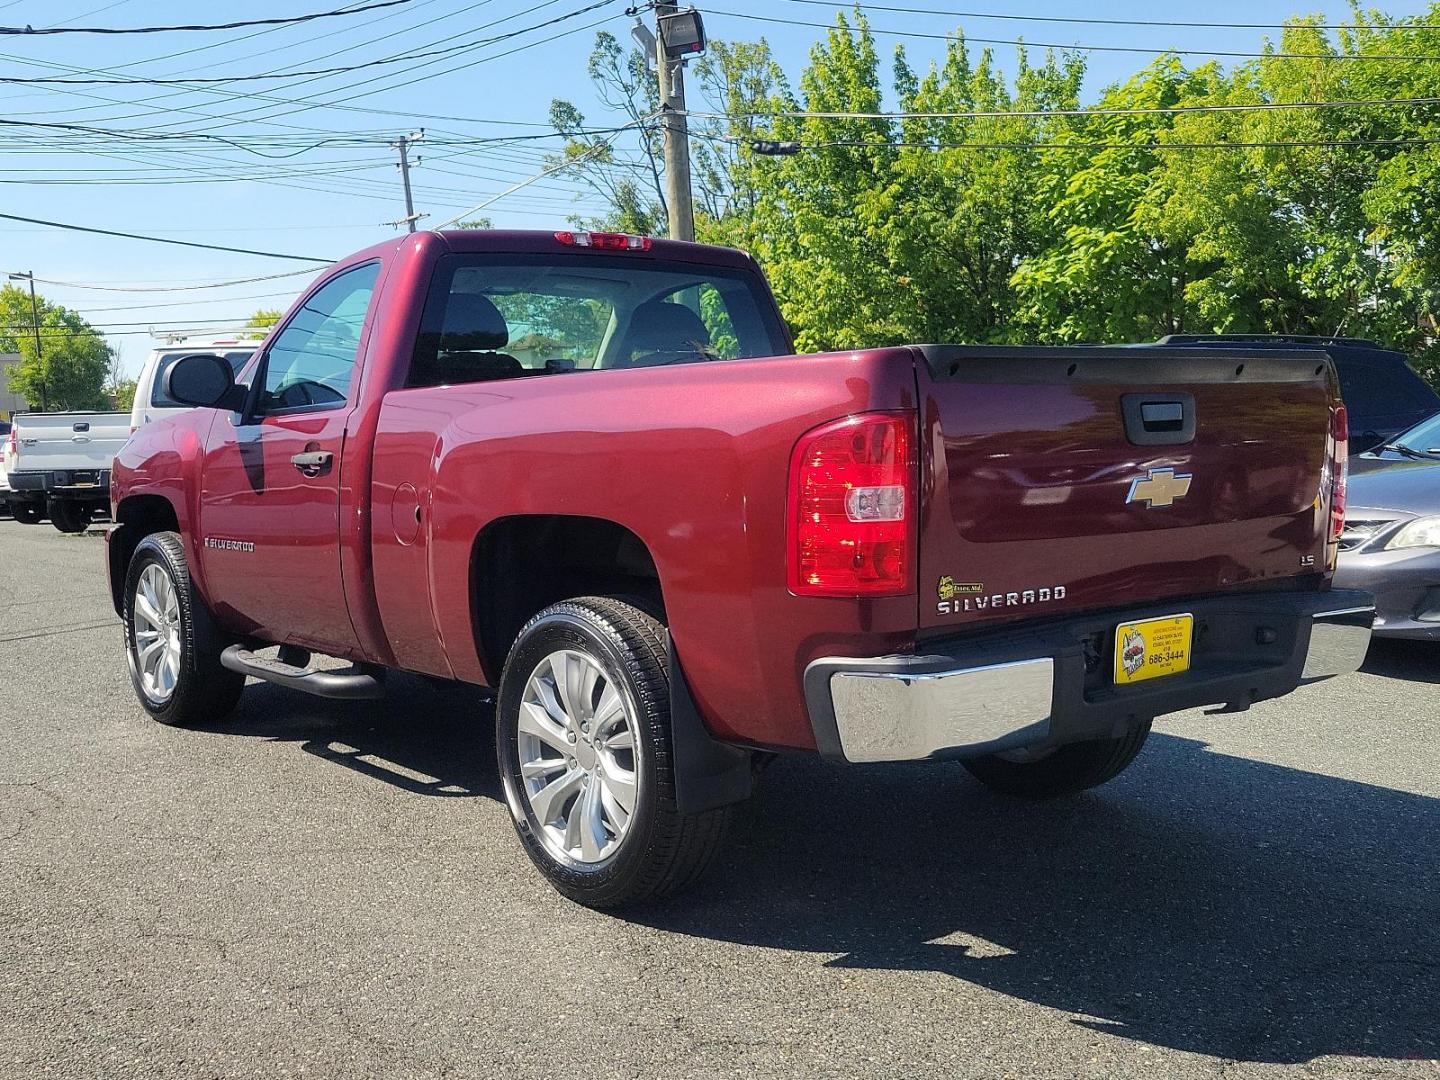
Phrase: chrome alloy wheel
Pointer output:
(579, 768)
(156, 631)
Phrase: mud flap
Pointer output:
(708, 773)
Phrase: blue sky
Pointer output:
(332, 200)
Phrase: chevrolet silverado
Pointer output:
(583, 469)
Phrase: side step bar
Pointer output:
(354, 684)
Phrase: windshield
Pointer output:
(508, 316)
(1380, 387)
(1424, 436)
(161, 400)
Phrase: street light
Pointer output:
(29, 276)
(683, 33)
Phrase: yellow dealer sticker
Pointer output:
(1152, 648)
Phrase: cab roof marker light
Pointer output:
(604, 241)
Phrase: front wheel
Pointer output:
(1064, 771)
(585, 754)
(70, 517)
(171, 644)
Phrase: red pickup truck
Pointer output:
(580, 468)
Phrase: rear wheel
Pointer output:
(171, 644)
(1064, 771)
(585, 754)
(27, 513)
(69, 517)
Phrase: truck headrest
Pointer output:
(661, 327)
(473, 323)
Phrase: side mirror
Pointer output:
(204, 380)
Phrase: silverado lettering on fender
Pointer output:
(581, 468)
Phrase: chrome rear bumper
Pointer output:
(913, 708)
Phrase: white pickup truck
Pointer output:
(58, 465)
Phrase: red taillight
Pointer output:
(852, 508)
(1339, 468)
(604, 241)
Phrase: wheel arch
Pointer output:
(136, 517)
(520, 565)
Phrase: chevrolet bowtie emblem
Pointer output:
(1161, 487)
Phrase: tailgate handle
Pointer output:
(1159, 419)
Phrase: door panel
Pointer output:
(270, 503)
(270, 532)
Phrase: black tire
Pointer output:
(1064, 771)
(203, 691)
(69, 517)
(662, 851)
(27, 513)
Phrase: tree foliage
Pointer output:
(73, 360)
(1032, 218)
(264, 318)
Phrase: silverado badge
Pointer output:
(1160, 487)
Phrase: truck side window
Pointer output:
(311, 360)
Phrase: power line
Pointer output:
(44, 333)
(190, 287)
(169, 58)
(183, 303)
(446, 51)
(162, 239)
(239, 142)
(1084, 112)
(1083, 146)
(307, 104)
(27, 31)
(1169, 23)
(1023, 44)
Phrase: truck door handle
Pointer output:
(314, 462)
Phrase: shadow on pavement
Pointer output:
(423, 737)
(1400, 658)
(1200, 902)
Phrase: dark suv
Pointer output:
(1383, 393)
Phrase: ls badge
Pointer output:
(1160, 487)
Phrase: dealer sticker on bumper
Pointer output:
(1152, 648)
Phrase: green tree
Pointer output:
(975, 206)
(119, 387)
(634, 190)
(69, 371)
(264, 319)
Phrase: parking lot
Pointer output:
(321, 889)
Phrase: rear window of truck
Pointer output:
(508, 316)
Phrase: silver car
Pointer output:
(1391, 543)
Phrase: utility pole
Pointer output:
(35, 325)
(676, 124)
(403, 144)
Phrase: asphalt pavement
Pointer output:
(321, 889)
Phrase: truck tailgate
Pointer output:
(1063, 479)
(46, 442)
